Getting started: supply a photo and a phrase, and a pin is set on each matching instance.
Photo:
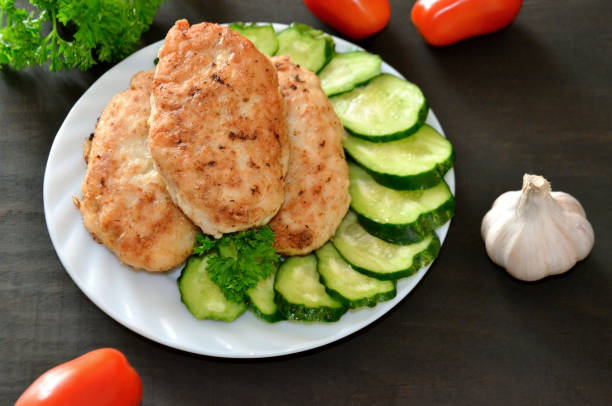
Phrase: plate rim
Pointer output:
(308, 345)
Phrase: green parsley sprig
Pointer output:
(203, 244)
(104, 30)
(244, 259)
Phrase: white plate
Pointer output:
(149, 304)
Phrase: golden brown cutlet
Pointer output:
(218, 131)
(316, 189)
(125, 204)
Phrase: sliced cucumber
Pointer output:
(202, 296)
(387, 108)
(398, 216)
(305, 46)
(300, 294)
(380, 259)
(352, 288)
(262, 36)
(347, 70)
(262, 302)
(416, 162)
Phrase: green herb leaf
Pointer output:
(244, 259)
(203, 244)
(105, 30)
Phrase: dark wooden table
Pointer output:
(536, 97)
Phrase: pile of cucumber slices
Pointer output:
(398, 195)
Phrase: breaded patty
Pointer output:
(316, 188)
(217, 128)
(125, 204)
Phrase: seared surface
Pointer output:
(218, 132)
(125, 204)
(316, 189)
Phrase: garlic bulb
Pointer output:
(534, 232)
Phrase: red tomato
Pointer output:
(101, 377)
(356, 19)
(443, 22)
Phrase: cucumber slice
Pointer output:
(305, 46)
(387, 108)
(352, 288)
(300, 294)
(202, 296)
(347, 70)
(398, 216)
(380, 259)
(262, 302)
(262, 36)
(416, 162)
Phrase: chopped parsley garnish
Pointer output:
(203, 244)
(244, 259)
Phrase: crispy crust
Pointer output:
(316, 190)
(216, 105)
(125, 204)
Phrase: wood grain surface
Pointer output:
(535, 97)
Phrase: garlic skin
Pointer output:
(534, 233)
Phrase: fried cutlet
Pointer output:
(217, 128)
(125, 204)
(316, 187)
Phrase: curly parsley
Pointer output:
(104, 30)
(203, 244)
(244, 259)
